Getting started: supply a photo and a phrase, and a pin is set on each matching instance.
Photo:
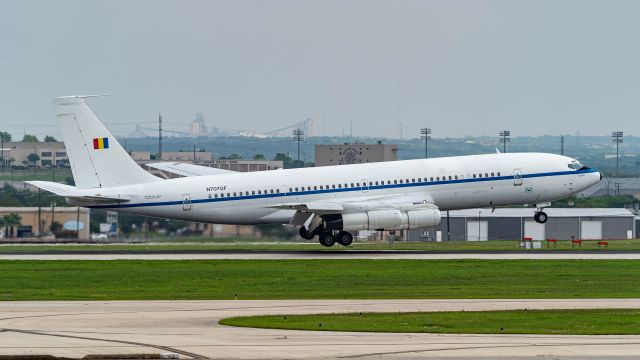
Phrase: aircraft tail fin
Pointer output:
(97, 159)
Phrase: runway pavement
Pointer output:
(307, 255)
(190, 328)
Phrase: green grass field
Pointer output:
(553, 322)
(317, 279)
(278, 245)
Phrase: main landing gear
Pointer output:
(327, 237)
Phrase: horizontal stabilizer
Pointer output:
(90, 196)
(184, 169)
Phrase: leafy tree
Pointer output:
(50, 138)
(5, 136)
(30, 138)
(33, 157)
(55, 227)
(233, 156)
(10, 222)
(258, 157)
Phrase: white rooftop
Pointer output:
(552, 212)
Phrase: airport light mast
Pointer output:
(425, 134)
(505, 137)
(616, 137)
(298, 136)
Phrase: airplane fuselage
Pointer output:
(449, 183)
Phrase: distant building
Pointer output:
(49, 153)
(326, 155)
(517, 223)
(198, 127)
(66, 216)
(244, 165)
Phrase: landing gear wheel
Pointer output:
(345, 238)
(540, 217)
(306, 234)
(327, 239)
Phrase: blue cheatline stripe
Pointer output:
(361, 188)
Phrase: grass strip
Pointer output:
(552, 322)
(221, 245)
(317, 279)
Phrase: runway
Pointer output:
(310, 255)
(190, 328)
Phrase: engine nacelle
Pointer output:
(384, 220)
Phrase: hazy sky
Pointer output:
(459, 67)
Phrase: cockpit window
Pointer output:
(576, 165)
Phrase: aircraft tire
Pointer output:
(345, 238)
(327, 239)
(540, 217)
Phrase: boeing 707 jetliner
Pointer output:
(329, 202)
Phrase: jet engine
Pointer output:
(384, 220)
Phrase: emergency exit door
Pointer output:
(186, 202)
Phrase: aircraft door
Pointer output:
(186, 202)
(517, 177)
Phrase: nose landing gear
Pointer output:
(540, 216)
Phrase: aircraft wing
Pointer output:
(83, 196)
(184, 169)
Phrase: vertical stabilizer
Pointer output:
(97, 159)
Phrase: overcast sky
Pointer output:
(459, 67)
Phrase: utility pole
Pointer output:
(505, 137)
(425, 134)
(616, 137)
(561, 144)
(159, 136)
(298, 136)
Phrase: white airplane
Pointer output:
(329, 202)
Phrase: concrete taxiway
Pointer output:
(190, 328)
(311, 255)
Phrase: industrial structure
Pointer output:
(35, 222)
(356, 153)
(518, 223)
(19, 153)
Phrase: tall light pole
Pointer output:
(561, 144)
(505, 137)
(425, 134)
(616, 137)
(298, 136)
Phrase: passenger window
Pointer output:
(395, 181)
(209, 196)
(321, 187)
(492, 174)
(474, 176)
(234, 194)
(431, 178)
(498, 173)
(376, 183)
(278, 191)
(215, 196)
(456, 177)
(333, 186)
(486, 174)
(290, 189)
(419, 179)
